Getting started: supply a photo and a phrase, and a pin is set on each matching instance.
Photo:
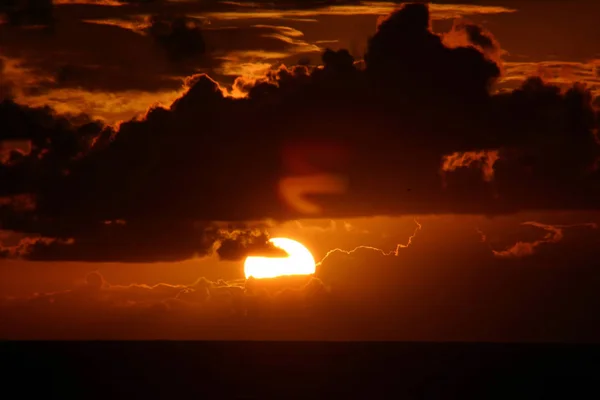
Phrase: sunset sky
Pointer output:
(148, 147)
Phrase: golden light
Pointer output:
(299, 261)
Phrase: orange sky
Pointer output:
(555, 39)
(171, 150)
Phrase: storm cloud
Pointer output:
(385, 127)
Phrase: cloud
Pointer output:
(29, 245)
(466, 33)
(97, 304)
(554, 235)
(112, 3)
(445, 286)
(109, 107)
(84, 59)
(18, 203)
(11, 149)
(486, 159)
(236, 245)
(6, 89)
(181, 37)
(33, 13)
(561, 74)
(151, 241)
(394, 252)
(252, 51)
(85, 64)
(416, 106)
(315, 9)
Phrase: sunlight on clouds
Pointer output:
(561, 73)
(34, 89)
(249, 64)
(484, 159)
(299, 46)
(137, 23)
(285, 30)
(107, 106)
(254, 64)
(438, 11)
(113, 3)
(18, 76)
(110, 107)
(235, 3)
(290, 36)
(250, 69)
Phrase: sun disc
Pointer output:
(299, 261)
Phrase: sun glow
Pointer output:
(299, 262)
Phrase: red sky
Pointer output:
(137, 155)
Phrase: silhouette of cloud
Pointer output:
(82, 59)
(414, 109)
(465, 33)
(28, 13)
(181, 37)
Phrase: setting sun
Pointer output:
(299, 261)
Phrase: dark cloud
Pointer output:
(181, 37)
(28, 12)
(106, 50)
(156, 241)
(237, 244)
(386, 130)
(465, 33)
(480, 38)
(6, 87)
(147, 53)
(104, 58)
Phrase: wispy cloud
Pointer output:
(113, 3)
(561, 73)
(555, 233)
(438, 11)
(135, 23)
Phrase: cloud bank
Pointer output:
(406, 130)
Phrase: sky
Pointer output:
(440, 162)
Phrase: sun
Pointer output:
(299, 262)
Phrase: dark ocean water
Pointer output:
(300, 370)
